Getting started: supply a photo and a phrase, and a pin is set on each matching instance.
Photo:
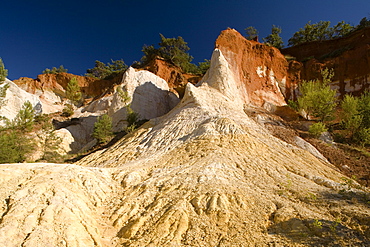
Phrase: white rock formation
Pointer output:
(147, 94)
(204, 174)
(14, 100)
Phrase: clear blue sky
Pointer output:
(39, 34)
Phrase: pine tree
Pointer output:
(251, 32)
(73, 91)
(103, 129)
(274, 38)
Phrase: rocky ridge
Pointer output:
(204, 174)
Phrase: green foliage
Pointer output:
(73, 91)
(103, 129)
(274, 38)
(319, 31)
(132, 119)
(125, 98)
(317, 98)
(317, 129)
(364, 109)
(55, 70)
(173, 50)
(68, 110)
(3, 89)
(362, 136)
(363, 23)
(25, 118)
(251, 33)
(107, 71)
(204, 66)
(351, 120)
(176, 51)
(14, 146)
(3, 71)
(49, 140)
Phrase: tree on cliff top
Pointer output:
(107, 71)
(274, 38)
(251, 33)
(55, 70)
(320, 31)
(173, 50)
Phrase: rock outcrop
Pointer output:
(260, 70)
(14, 100)
(172, 74)
(204, 174)
(147, 95)
(347, 56)
(57, 83)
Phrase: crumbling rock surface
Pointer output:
(260, 70)
(204, 174)
(57, 83)
(172, 74)
(347, 56)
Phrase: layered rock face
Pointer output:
(204, 174)
(260, 71)
(348, 57)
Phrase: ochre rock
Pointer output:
(348, 56)
(57, 83)
(260, 70)
(172, 74)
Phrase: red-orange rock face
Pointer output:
(348, 56)
(172, 75)
(57, 83)
(261, 70)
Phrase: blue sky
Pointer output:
(40, 34)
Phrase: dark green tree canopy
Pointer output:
(320, 31)
(251, 33)
(107, 71)
(173, 50)
(274, 38)
(55, 70)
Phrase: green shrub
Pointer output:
(68, 110)
(125, 98)
(50, 141)
(73, 91)
(317, 98)
(317, 129)
(132, 117)
(103, 129)
(363, 136)
(14, 146)
(25, 118)
(3, 71)
(3, 89)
